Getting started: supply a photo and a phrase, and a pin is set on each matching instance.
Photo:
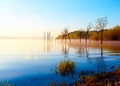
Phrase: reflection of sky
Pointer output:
(1, 65)
(28, 58)
(20, 46)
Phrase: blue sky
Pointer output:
(33, 17)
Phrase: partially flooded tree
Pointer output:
(80, 34)
(65, 34)
(87, 32)
(101, 24)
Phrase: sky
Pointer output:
(31, 18)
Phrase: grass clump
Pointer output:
(6, 84)
(66, 67)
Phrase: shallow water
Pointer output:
(32, 62)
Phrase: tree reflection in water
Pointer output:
(48, 45)
(98, 61)
(65, 48)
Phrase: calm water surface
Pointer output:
(32, 62)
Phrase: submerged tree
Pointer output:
(87, 32)
(80, 35)
(101, 24)
(65, 34)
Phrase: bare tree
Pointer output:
(65, 34)
(87, 32)
(80, 35)
(101, 24)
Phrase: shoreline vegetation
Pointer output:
(108, 34)
(90, 78)
(101, 79)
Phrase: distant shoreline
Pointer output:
(88, 40)
(20, 38)
(106, 34)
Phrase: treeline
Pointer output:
(108, 34)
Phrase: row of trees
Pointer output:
(94, 32)
(109, 34)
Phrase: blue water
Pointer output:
(34, 64)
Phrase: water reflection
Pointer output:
(98, 61)
(68, 68)
(65, 48)
(48, 45)
(110, 46)
(87, 50)
(101, 51)
(92, 58)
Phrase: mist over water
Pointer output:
(33, 62)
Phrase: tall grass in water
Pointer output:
(6, 84)
(66, 67)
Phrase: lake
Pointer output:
(33, 62)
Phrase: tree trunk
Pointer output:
(69, 37)
(80, 37)
(101, 36)
(86, 36)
